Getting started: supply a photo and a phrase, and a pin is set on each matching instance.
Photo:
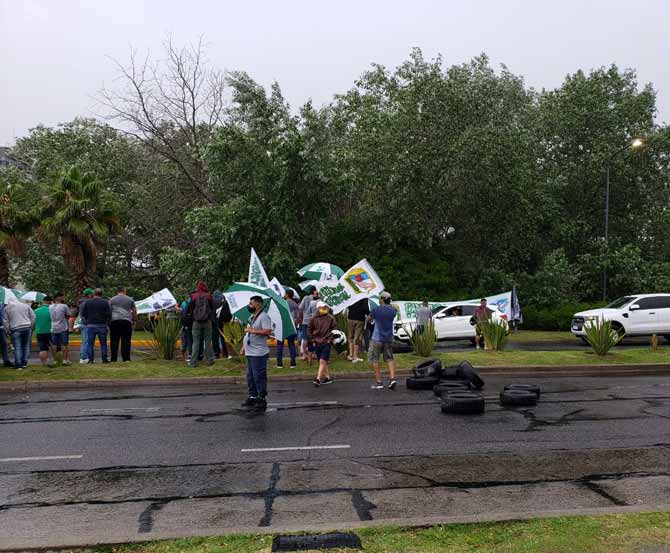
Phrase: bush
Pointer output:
(233, 334)
(495, 334)
(423, 341)
(164, 336)
(601, 336)
(553, 318)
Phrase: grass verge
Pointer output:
(626, 533)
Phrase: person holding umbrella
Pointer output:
(255, 347)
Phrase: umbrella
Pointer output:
(7, 296)
(238, 296)
(315, 271)
(295, 292)
(29, 297)
(324, 280)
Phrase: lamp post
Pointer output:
(636, 143)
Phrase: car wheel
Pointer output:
(583, 339)
(529, 387)
(467, 372)
(421, 382)
(620, 330)
(518, 398)
(463, 403)
(453, 386)
(429, 367)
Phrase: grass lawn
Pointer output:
(627, 533)
(144, 367)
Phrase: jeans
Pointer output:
(291, 350)
(21, 342)
(3, 346)
(202, 332)
(257, 375)
(83, 348)
(186, 340)
(101, 332)
(120, 331)
(218, 341)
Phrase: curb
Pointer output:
(529, 371)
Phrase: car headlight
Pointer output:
(591, 318)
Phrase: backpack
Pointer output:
(202, 310)
(225, 316)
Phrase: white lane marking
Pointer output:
(116, 409)
(47, 458)
(298, 448)
(303, 403)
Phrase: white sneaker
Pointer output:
(377, 386)
(83, 361)
(230, 357)
(350, 358)
(357, 360)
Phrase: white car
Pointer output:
(452, 321)
(635, 315)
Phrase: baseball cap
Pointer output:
(385, 296)
(321, 304)
(88, 291)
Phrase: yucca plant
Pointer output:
(601, 336)
(164, 336)
(422, 340)
(233, 334)
(495, 334)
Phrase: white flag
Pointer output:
(257, 274)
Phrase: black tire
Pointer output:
(421, 382)
(463, 403)
(583, 339)
(450, 373)
(530, 387)
(454, 386)
(467, 372)
(620, 330)
(518, 398)
(429, 367)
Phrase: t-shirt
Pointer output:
(122, 308)
(359, 310)
(256, 345)
(42, 320)
(383, 317)
(59, 314)
(304, 309)
(293, 308)
(423, 316)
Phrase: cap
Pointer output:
(320, 304)
(385, 296)
(88, 291)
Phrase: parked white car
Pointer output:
(452, 321)
(635, 315)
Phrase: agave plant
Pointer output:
(422, 339)
(495, 334)
(601, 336)
(164, 336)
(233, 334)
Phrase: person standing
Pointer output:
(381, 342)
(124, 314)
(97, 314)
(305, 314)
(43, 329)
(321, 327)
(186, 330)
(60, 326)
(255, 348)
(202, 308)
(83, 331)
(481, 314)
(4, 349)
(356, 315)
(19, 320)
(223, 317)
(290, 340)
(424, 316)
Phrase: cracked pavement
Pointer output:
(112, 465)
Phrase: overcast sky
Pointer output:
(54, 53)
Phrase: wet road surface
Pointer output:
(90, 466)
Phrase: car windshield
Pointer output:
(436, 309)
(616, 304)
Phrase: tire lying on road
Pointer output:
(463, 403)
(421, 382)
(429, 367)
(450, 386)
(450, 373)
(529, 387)
(467, 372)
(518, 398)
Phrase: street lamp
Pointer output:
(634, 144)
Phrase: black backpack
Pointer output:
(202, 309)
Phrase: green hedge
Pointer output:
(554, 318)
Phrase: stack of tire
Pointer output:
(458, 386)
(520, 395)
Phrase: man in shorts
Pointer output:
(43, 329)
(356, 315)
(60, 326)
(381, 342)
(321, 327)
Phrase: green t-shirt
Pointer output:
(42, 320)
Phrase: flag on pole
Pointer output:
(257, 274)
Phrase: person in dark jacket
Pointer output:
(223, 316)
(217, 300)
(201, 308)
(320, 330)
(97, 313)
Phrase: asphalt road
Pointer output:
(111, 465)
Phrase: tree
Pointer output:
(80, 214)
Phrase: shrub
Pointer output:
(495, 334)
(558, 317)
(601, 336)
(423, 341)
(233, 334)
(164, 336)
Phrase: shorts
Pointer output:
(44, 342)
(60, 339)
(379, 348)
(322, 351)
(356, 329)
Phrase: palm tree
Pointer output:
(80, 214)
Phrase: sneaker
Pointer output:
(327, 381)
(377, 386)
(350, 358)
(357, 360)
(67, 363)
(293, 367)
(392, 385)
(250, 402)
(229, 357)
(316, 382)
(83, 361)
(260, 405)
(279, 367)
(477, 346)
